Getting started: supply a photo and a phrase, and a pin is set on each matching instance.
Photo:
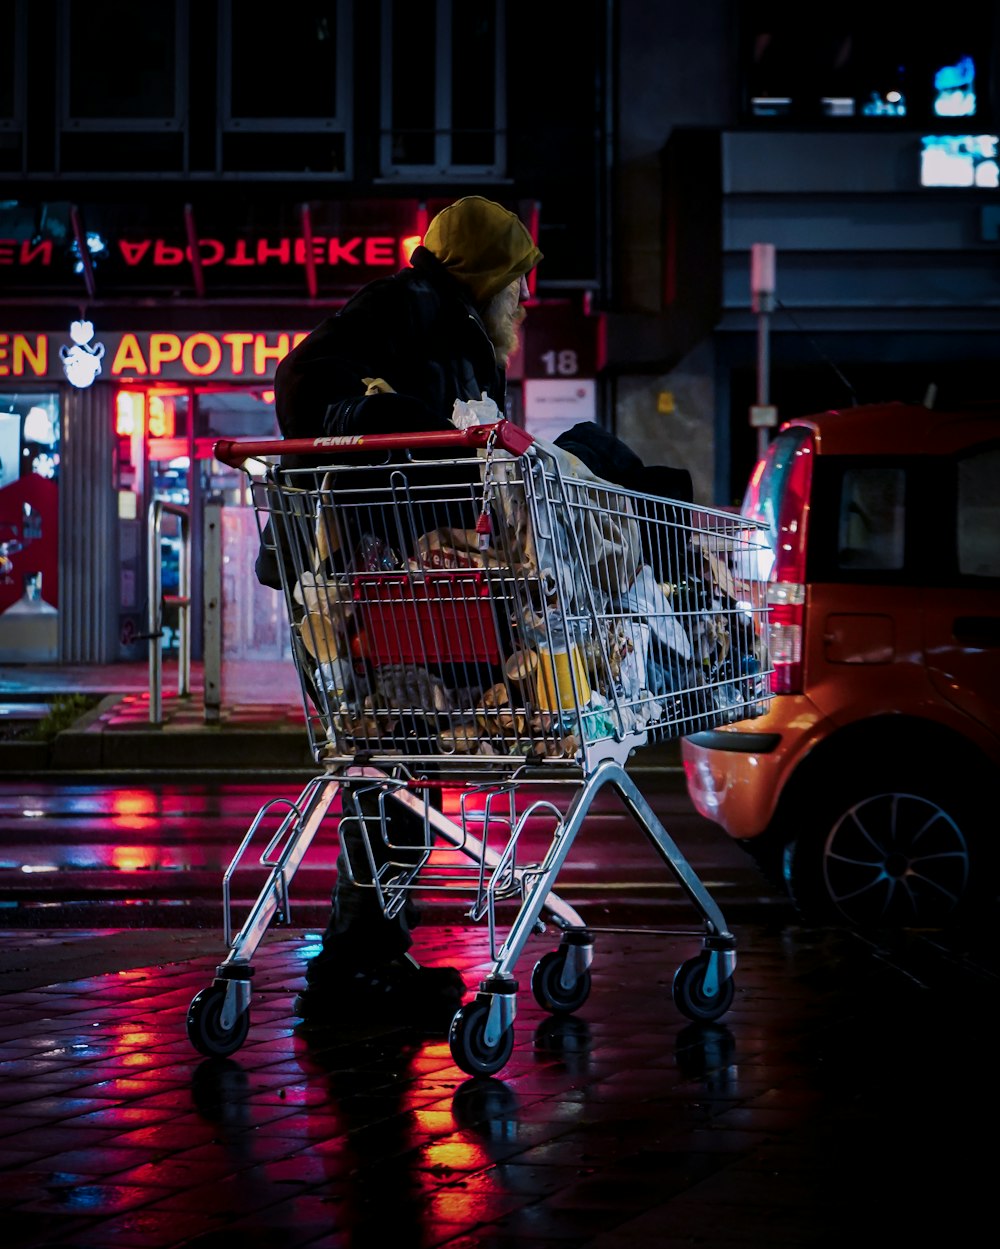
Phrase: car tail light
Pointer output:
(786, 592)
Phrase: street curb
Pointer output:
(166, 750)
(80, 742)
(89, 746)
(22, 758)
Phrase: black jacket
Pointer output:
(418, 331)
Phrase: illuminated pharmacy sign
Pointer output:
(145, 357)
(325, 246)
(561, 343)
(356, 252)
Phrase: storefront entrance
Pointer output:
(29, 527)
(166, 437)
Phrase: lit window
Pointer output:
(959, 160)
(955, 89)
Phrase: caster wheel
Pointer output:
(467, 1038)
(204, 1024)
(689, 991)
(549, 993)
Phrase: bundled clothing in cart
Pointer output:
(655, 603)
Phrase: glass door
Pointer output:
(183, 425)
(170, 455)
(257, 664)
(29, 527)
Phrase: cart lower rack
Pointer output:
(497, 630)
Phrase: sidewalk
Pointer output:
(118, 736)
(835, 1101)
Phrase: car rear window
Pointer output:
(979, 514)
(886, 519)
(871, 533)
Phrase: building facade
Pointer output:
(186, 192)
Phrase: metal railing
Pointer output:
(212, 600)
(158, 600)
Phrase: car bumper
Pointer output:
(735, 774)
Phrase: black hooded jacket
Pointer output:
(419, 332)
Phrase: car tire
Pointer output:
(766, 853)
(891, 848)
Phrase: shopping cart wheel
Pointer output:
(204, 1024)
(549, 993)
(689, 990)
(467, 1038)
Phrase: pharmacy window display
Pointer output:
(29, 550)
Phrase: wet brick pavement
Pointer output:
(842, 1097)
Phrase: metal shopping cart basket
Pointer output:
(474, 614)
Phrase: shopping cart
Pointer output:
(485, 633)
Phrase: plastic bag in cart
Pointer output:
(588, 543)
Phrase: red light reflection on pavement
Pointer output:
(438, 1189)
(132, 808)
(134, 858)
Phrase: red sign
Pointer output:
(377, 251)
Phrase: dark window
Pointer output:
(121, 61)
(864, 528)
(413, 107)
(442, 89)
(285, 64)
(979, 514)
(871, 530)
(286, 81)
(473, 102)
(13, 59)
(10, 57)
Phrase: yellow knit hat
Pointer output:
(482, 244)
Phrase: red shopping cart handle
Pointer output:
(511, 438)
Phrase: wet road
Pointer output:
(155, 854)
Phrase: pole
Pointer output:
(763, 415)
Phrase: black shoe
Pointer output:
(400, 991)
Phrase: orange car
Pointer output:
(869, 784)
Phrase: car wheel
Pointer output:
(892, 851)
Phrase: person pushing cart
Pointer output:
(398, 358)
(473, 612)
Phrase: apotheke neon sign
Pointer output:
(201, 354)
(353, 253)
(141, 357)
